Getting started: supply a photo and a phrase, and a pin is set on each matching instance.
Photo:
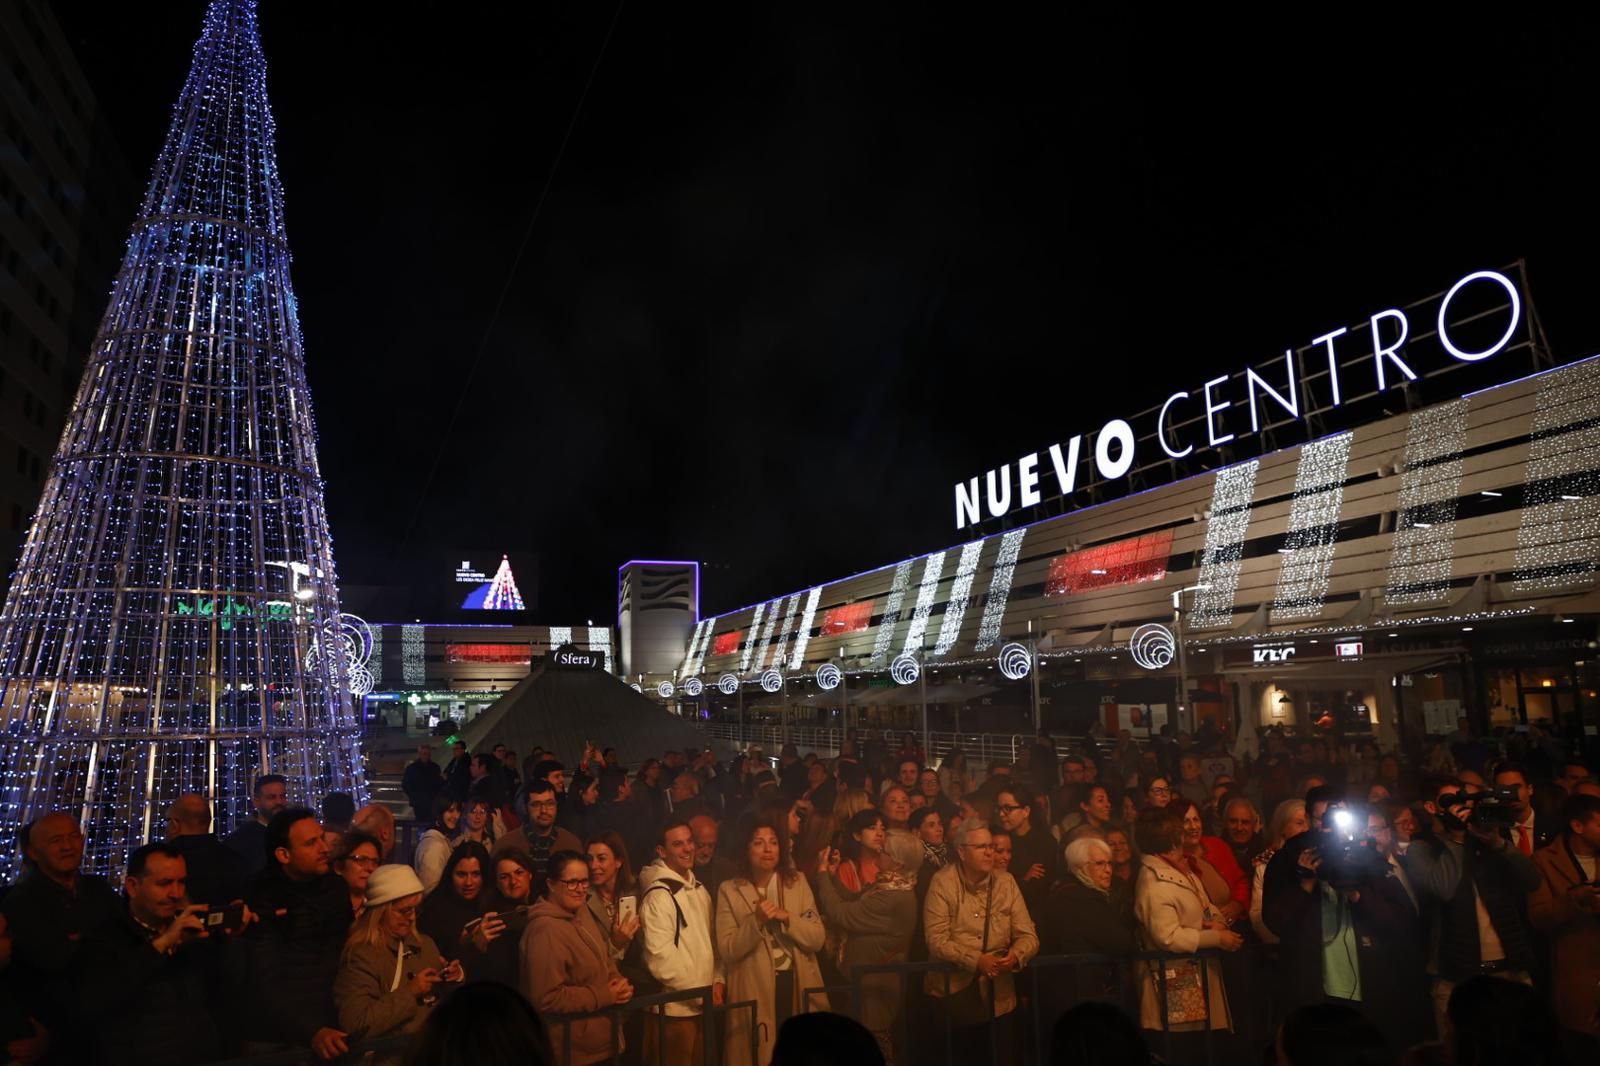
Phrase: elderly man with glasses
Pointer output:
(976, 920)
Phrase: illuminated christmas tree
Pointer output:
(173, 625)
(503, 594)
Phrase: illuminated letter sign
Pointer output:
(1279, 653)
(998, 491)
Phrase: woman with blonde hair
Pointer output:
(389, 973)
(1288, 820)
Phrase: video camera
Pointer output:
(1352, 858)
(1491, 807)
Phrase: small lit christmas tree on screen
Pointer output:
(503, 594)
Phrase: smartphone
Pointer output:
(229, 919)
(627, 907)
(516, 918)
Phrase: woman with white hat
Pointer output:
(389, 972)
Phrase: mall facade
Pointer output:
(1387, 529)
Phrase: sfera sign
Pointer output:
(1272, 393)
(571, 659)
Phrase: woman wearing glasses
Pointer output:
(389, 973)
(566, 967)
(355, 860)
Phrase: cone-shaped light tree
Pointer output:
(173, 624)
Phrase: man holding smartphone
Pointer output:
(146, 984)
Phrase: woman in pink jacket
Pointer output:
(567, 969)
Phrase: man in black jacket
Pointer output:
(422, 781)
(304, 912)
(51, 911)
(269, 796)
(215, 872)
(1343, 936)
(1480, 883)
(145, 977)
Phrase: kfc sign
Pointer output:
(1276, 653)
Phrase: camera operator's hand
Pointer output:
(1487, 835)
(329, 1043)
(1310, 861)
(189, 924)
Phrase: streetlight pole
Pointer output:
(1033, 679)
(1183, 724)
(922, 691)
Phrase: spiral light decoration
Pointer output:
(828, 677)
(693, 687)
(1015, 661)
(728, 684)
(665, 690)
(771, 680)
(905, 669)
(1153, 646)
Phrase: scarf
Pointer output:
(1083, 875)
(936, 854)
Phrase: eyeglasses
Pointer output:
(542, 805)
(1160, 790)
(577, 884)
(363, 861)
(1007, 808)
(979, 847)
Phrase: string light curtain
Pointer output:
(161, 633)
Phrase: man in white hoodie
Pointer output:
(675, 911)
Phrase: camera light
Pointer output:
(1344, 820)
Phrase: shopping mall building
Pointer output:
(1390, 526)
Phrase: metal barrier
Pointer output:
(711, 1018)
(1042, 996)
(393, 1044)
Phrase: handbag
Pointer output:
(970, 1006)
(1186, 993)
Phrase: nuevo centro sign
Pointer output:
(1115, 445)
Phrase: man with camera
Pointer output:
(1339, 927)
(1480, 883)
(146, 977)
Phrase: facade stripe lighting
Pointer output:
(1558, 538)
(803, 637)
(780, 650)
(891, 614)
(1223, 552)
(955, 610)
(751, 637)
(994, 605)
(932, 570)
(1313, 527)
(1425, 535)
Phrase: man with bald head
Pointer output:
(50, 911)
(709, 867)
(216, 874)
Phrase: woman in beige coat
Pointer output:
(389, 974)
(768, 935)
(1175, 916)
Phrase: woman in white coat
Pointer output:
(768, 935)
(1177, 917)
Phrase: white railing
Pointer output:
(981, 748)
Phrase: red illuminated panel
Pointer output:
(727, 643)
(1124, 562)
(513, 654)
(851, 618)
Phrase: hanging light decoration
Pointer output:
(1015, 661)
(828, 677)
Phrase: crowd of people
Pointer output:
(1375, 897)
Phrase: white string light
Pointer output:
(1221, 556)
(1559, 532)
(955, 608)
(780, 650)
(932, 569)
(600, 641)
(803, 637)
(766, 632)
(1313, 525)
(700, 631)
(413, 665)
(750, 638)
(891, 613)
(994, 606)
(1424, 540)
(560, 637)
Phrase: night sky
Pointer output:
(798, 274)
